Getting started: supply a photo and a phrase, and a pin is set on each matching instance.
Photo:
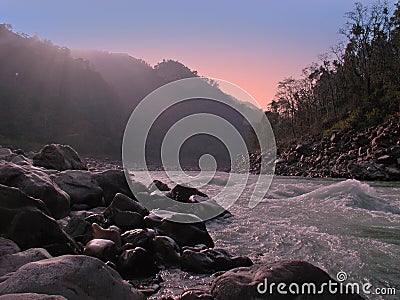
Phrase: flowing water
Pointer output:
(341, 226)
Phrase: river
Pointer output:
(339, 225)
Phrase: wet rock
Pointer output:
(37, 184)
(113, 182)
(138, 238)
(71, 276)
(25, 221)
(166, 251)
(109, 234)
(127, 220)
(81, 187)
(185, 234)
(212, 260)
(136, 263)
(96, 218)
(182, 193)
(241, 283)
(123, 203)
(102, 249)
(152, 221)
(79, 229)
(12, 262)
(58, 157)
(158, 185)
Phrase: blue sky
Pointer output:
(253, 44)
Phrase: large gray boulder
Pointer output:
(241, 283)
(81, 186)
(12, 262)
(37, 184)
(71, 276)
(8, 247)
(113, 182)
(125, 212)
(59, 157)
(26, 221)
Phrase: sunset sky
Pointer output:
(253, 44)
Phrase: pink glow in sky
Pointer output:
(253, 44)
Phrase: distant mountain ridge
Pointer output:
(50, 94)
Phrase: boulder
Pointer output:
(79, 229)
(166, 251)
(158, 185)
(59, 157)
(152, 220)
(242, 283)
(103, 249)
(25, 220)
(71, 276)
(138, 238)
(212, 260)
(182, 193)
(124, 203)
(127, 220)
(125, 212)
(109, 234)
(113, 182)
(185, 234)
(37, 184)
(136, 263)
(80, 186)
(12, 262)
(8, 247)
(96, 218)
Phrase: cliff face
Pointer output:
(371, 154)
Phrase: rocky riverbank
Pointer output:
(72, 233)
(370, 154)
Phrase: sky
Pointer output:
(253, 44)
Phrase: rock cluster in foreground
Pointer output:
(371, 154)
(78, 234)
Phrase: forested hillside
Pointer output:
(47, 96)
(354, 85)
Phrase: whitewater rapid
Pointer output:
(339, 225)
